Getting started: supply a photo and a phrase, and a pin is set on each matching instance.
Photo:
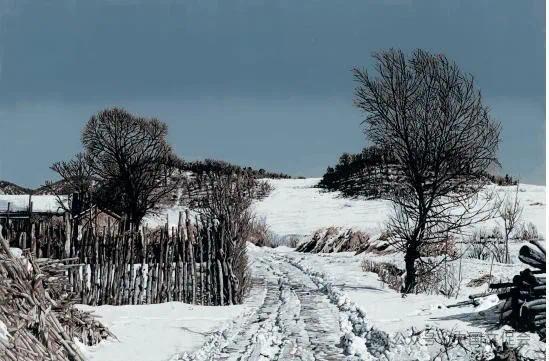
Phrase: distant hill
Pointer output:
(220, 166)
(58, 187)
(12, 188)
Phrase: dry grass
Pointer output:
(438, 279)
(387, 272)
(40, 326)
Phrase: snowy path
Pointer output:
(295, 321)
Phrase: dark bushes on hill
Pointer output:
(369, 173)
(222, 167)
(373, 172)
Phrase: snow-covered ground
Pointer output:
(387, 309)
(311, 306)
(297, 207)
(158, 332)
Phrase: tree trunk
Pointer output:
(410, 280)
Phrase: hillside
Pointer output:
(299, 207)
(183, 170)
(374, 173)
(12, 188)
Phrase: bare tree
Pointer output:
(225, 203)
(129, 158)
(427, 112)
(76, 173)
(510, 211)
(76, 178)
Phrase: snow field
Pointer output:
(297, 207)
(312, 306)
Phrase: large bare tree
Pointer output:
(129, 158)
(431, 117)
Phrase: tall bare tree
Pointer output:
(431, 117)
(129, 158)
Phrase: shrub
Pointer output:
(479, 250)
(528, 232)
(260, 234)
(290, 241)
(446, 247)
(387, 272)
(483, 245)
(478, 246)
(497, 250)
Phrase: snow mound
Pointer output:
(341, 239)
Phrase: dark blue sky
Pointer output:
(258, 82)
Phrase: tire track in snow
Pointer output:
(295, 321)
(275, 332)
(359, 338)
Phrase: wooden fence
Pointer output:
(185, 263)
(192, 262)
(43, 235)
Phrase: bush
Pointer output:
(291, 241)
(225, 206)
(388, 273)
(497, 250)
(446, 247)
(479, 250)
(528, 232)
(260, 234)
(484, 245)
(478, 246)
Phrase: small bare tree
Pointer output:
(75, 173)
(126, 165)
(427, 112)
(510, 212)
(76, 178)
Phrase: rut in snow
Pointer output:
(296, 320)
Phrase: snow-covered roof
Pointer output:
(40, 203)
